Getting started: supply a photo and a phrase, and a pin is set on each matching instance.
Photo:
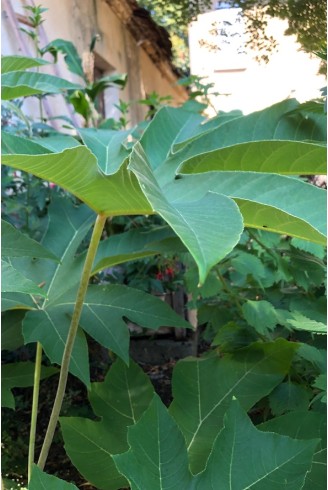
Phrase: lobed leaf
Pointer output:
(203, 388)
(207, 246)
(246, 458)
(115, 195)
(120, 401)
(16, 244)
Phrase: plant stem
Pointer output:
(34, 415)
(230, 292)
(96, 235)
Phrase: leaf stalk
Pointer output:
(92, 250)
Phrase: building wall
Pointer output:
(116, 51)
(242, 82)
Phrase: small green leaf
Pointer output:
(12, 143)
(301, 322)
(288, 397)
(135, 244)
(71, 56)
(261, 315)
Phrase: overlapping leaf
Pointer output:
(115, 195)
(13, 281)
(120, 401)
(105, 307)
(16, 244)
(276, 203)
(207, 245)
(107, 146)
(305, 425)
(242, 456)
(246, 458)
(203, 388)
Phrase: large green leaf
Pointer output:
(16, 244)
(168, 127)
(19, 375)
(119, 194)
(281, 157)
(19, 63)
(11, 143)
(67, 227)
(105, 307)
(272, 123)
(12, 281)
(107, 146)
(157, 459)
(207, 245)
(120, 401)
(305, 425)
(272, 202)
(41, 481)
(21, 84)
(246, 458)
(203, 388)
(189, 133)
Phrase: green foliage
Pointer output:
(120, 401)
(40, 480)
(190, 187)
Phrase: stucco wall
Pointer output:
(117, 52)
(251, 86)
